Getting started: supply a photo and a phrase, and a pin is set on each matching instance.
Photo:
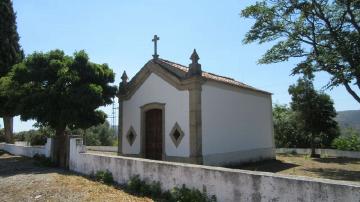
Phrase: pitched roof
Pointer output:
(181, 70)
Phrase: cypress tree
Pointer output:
(10, 54)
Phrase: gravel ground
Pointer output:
(21, 180)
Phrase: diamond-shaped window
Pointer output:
(176, 134)
(131, 136)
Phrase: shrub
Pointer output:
(42, 160)
(185, 194)
(100, 135)
(104, 176)
(153, 190)
(347, 143)
(35, 137)
(140, 187)
(293, 152)
(134, 184)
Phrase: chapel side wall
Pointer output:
(236, 125)
(156, 90)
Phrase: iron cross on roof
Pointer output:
(155, 39)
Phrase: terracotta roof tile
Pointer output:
(212, 76)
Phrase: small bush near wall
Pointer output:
(153, 190)
(104, 176)
(42, 160)
(185, 194)
(140, 187)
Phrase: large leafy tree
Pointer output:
(315, 110)
(291, 132)
(287, 128)
(10, 54)
(325, 34)
(64, 92)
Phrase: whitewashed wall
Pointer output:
(227, 184)
(28, 151)
(236, 124)
(155, 89)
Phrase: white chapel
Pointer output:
(172, 112)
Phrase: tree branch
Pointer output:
(338, 42)
(352, 93)
(352, 19)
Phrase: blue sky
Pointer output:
(119, 33)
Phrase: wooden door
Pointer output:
(153, 134)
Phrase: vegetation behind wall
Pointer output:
(100, 135)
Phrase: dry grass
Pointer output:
(21, 180)
(94, 191)
(346, 169)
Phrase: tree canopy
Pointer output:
(10, 50)
(288, 129)
(62, 91)
(315, 110)
(324, 34)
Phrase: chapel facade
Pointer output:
(172, 112)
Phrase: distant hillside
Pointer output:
(350, 118)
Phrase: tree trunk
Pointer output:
(60, 152)
(8, 127)
(313, 152)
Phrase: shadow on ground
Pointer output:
(336, 174)
(12, 165)
(272, 166)
(342, 161)
(347, 169)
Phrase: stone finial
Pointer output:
(194, 57)
(124, 77)
(194, 67)
(123, 84)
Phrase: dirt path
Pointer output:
(21, 180)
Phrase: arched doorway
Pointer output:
(153, 134)
(152, 131)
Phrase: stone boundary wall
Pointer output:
(28, 151)
(226, 184)
(323, 152)
(22, 143)
(102, 148)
